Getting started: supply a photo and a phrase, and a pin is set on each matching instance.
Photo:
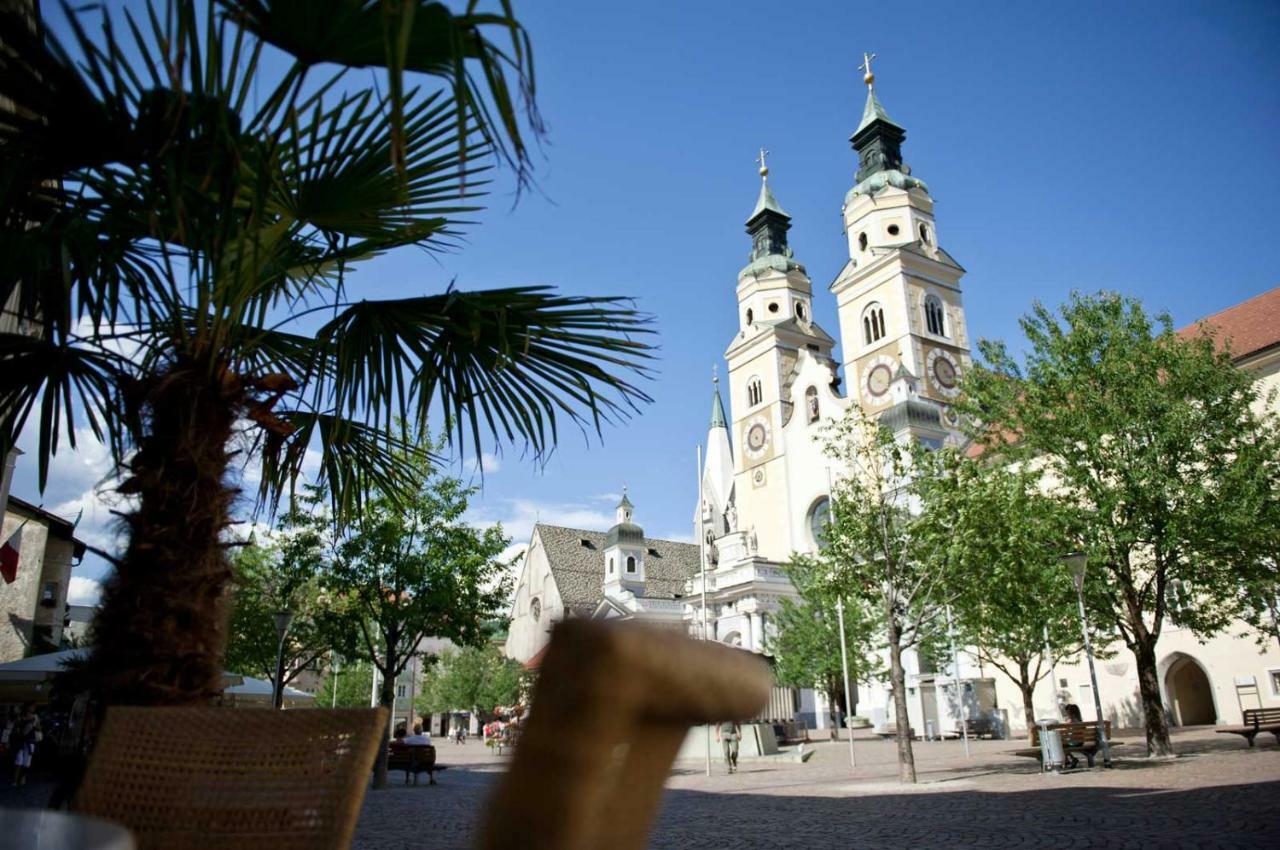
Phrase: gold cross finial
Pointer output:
(867, 77)
(764, 169)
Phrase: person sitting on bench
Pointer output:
(418, 738)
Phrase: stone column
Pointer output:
(757, 633)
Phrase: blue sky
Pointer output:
(1127, 146)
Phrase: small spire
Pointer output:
(718, 419)
(625, 501)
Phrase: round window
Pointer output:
(893, 230)
(773, 306)
(819, 516)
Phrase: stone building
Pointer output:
(34, 603)
(619, 573)
(1202, 682)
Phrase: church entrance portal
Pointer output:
(1190, 695)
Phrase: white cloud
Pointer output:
(84, 591)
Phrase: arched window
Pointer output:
(811, 403)
(750, 316)
(755, 392)
(631, 563)
(611, 566)
(935, 316)
(862, 241)
(873, 323)
(800, 310)
(924, 233)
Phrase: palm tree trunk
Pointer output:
(161, 634)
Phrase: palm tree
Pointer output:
(180, 224)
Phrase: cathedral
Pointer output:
(904, 346)
(765, 481)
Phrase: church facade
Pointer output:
(904, 346)
(764, 492)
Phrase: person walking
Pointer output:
(22, 740)
(727, 733)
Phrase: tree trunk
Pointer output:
(161, 633)
(833, 703)
(1027, 687)
(898, 675)
(386, 698)
(1157, 724)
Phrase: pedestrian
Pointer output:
(727, 733)
(22, 740)
(418, 738)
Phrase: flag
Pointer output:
(9, 553)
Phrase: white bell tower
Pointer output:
(775, 316)
(899, 295)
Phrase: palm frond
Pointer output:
(516, 359)
(63, 380)
(417, 36)
(337, 172)
(355, 459)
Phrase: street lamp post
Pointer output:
(284, 619)
(1076, 562)
(848, 696)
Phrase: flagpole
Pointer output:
(702, 558)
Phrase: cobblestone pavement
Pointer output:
(1217, 794)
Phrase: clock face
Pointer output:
(945, 372)
(757, 437)
(876, 378)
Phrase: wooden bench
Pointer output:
(1076, 738)
(976, 727)
(413, 759)
(1256, 720)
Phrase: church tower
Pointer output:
(902, 318)
(776, 336)
(624, 552)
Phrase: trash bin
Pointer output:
(1052, 755)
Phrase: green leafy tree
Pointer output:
(806, 647)
(408, 570)
(282, 575)
(1152, 441)
(1002, 537)
(353, 682)
(878, 553)
(181, 216)
(473, 678)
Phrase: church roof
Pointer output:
(718, 419)
(767, 201)
(576, 558)
(1249, 327)
(872, 111)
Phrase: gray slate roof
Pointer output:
(579, 570)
